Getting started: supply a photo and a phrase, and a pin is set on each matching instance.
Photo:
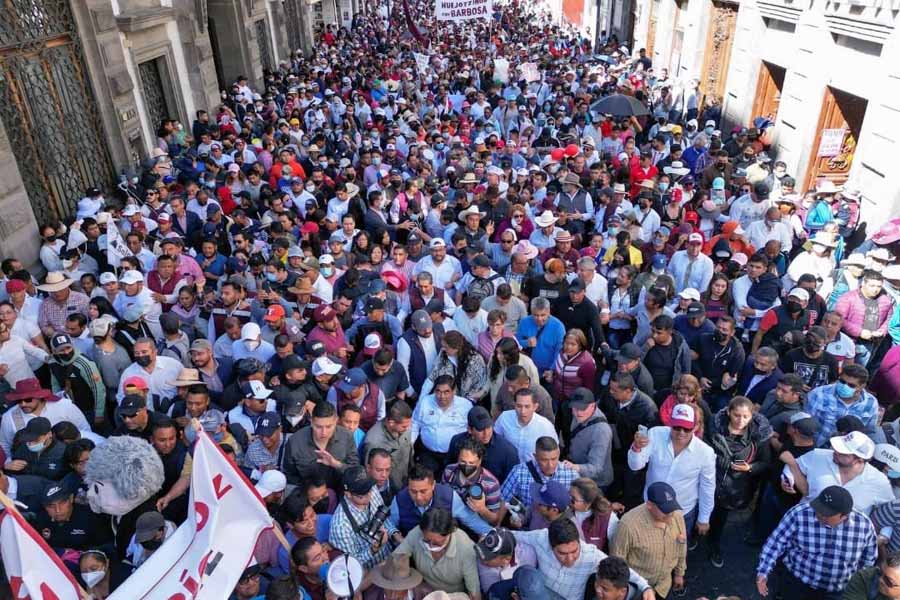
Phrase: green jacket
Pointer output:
(864, 586)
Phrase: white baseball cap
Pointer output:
(889, 455)
(325, 366)
(131, 277)
(856, 443)
(271, 482)
(689, 294)
(107, 277)
(250, 331)
(800, 293)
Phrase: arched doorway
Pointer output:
(48, 107)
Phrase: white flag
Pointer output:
(33, 569)
(205, 557)
(501, 70)
(116, 249)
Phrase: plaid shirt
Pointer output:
(257, 456)
(827, 408)
(568, 582)
(520, 483)
(344, 538)
(822, 557)
(53, 314)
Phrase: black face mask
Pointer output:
(758, 371)
(811, 346)
(718, 337)
(467, 470)
(793, 306)
(66, 357)
(151, 545)
(143, 361)
(321, 507)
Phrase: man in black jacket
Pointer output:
(576, 312)
(719, 363)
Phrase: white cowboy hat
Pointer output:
(352, 189)
(472, 210)
(823, 239)
(827, 187)
(546, 219)
(676, 168)
(56, 281)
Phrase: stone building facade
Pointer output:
(84, 84)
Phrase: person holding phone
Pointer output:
(740, 439)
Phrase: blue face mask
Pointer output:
(663, 186)
(843, 390)
(36, 447)
(709, 130)
(323, 571)
(272, 277)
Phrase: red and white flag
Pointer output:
(35, 572)
(206, 555)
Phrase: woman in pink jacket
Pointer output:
(574, 368)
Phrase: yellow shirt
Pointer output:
(653, 552)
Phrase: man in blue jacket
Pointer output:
(541, 335)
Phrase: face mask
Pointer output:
(36, 446)
(251, 344)
(294, 419)
(793, 306)
(151, 545)
(272, 277)
(431, 548)
(143, 361)
(613, 231)
(310, 188)
(663, 186)
(376, 161)
(708, 130)
(467, 470)
(65, 357)
(321, 507)
(819, 249)
(843, 390)
(93, 578)
(327, 271)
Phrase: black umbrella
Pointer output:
(619, 105)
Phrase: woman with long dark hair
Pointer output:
(717, 297)
(459, 359)
(507, 353)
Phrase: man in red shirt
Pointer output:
(645, 170)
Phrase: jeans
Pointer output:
(690, 519)
(769, 512)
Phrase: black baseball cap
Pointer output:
(54, 492)
(35, 428)
(695, 309)
(628, 352)
(131, 404)
(581, 398)
(292, 361)
(662, 495)
(479, 418)
(833, 500)
(577, 285)
(357, 481)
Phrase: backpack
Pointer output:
(481, 288)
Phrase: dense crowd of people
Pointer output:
(472, 330)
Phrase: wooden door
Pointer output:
(651, 28)
(768, 92)
(716, 56)
(837, 133)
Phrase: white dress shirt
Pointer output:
(521, 436)
(597, 290)
(166, 369)
(437, 425)
(759, 233)
(470, 327)
(649, 223)
(700, 275)
(442, 273)
(692, 473)
(868, 489)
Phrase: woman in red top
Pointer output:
(687, 391)
(574, 368)
(717, 297)
(593, 513)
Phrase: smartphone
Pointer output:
(642, 429)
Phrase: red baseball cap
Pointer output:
(135, 381)
(275, 312)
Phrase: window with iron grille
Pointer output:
(154, 92)
(265, 48)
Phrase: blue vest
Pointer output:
(409, 512)
(417, 371)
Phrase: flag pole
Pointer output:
(8, 503)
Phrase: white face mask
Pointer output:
(294, 419)
(93, 578)
(251, 344)
(431, 548)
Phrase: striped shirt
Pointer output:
(820, 556)
(521, 483)
(485, 479)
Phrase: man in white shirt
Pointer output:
(683, 461)
(845, 465)
(438, 417)
(470, 320)
(522, 426)
(157, 371)
(770, 228)
(445, 270)
(17, 355)
(595, 285)
(136, 293)
(33, 401)
(647, 218)
(840, 345)
(689, 267)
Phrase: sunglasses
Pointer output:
(682, 429)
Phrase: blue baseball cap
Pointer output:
(352, 380)
(662, 495)
(268, 424)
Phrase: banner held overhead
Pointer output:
(463, 10)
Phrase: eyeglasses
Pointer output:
(249, 578)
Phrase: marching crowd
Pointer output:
(490, 335)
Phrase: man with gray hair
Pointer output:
(541, 335)
(595, 285)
